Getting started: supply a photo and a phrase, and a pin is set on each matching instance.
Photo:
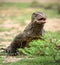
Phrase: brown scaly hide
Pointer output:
(34, 30)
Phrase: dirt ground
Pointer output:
(52, 25)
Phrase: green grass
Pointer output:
(43, 47)
(37, 59)
(18, 5)
(1, 60)
(46, 60)
(4, 29)
(20, 19)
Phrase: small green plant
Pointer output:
(44, 47)
(40, 60)
(1, 60)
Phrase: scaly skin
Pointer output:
(34, 30)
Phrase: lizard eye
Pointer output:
(34, 15)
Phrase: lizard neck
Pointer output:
(37, 28)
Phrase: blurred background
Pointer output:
(16, 14)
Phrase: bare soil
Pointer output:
(52, 25)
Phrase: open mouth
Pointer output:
(42, 19)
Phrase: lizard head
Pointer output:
(39, 17)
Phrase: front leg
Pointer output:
(12, 49)
(18, 42)
(43, 32)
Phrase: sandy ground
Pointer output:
(52, 25)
